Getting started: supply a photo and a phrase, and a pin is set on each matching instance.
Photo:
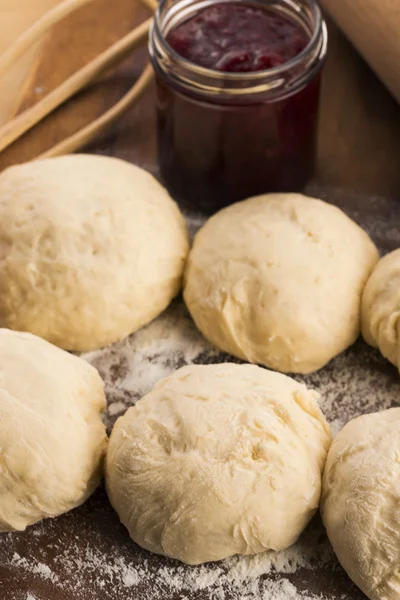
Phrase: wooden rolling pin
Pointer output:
(373, 26)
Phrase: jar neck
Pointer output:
(212, 85)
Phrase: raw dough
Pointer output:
(381, 308)
(218, 460)
(92, 248)
(361, 502)
(277, 280)
(52, 439)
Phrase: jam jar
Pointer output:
(237, 93)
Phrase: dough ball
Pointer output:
(381, 308)
(92, 248)
(277, 280)
(52, 439)
(361, 502)
(218, 460)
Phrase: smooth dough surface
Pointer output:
(52, 439)
(277, 280)
(92, 248)
(381, 308)
(361, 502)
(218, 460)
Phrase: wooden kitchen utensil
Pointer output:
(373, 26)
(29, 37)
(90, 72)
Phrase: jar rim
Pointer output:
(314, 50)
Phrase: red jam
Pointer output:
(214, 151)
(237, 38)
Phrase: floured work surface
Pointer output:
(87, 554)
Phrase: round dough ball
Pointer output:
(361, 502)
(52, 439)
(381, 308)
(218, 460)
(92, 249)
(277, 280)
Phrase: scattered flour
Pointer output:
(129, 577)
(37, 568)
(86, 568)
(132, 367)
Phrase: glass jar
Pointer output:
(224, 136)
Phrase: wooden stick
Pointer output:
(34, 33)
(151, 4)
(22, 123)
(90, 132)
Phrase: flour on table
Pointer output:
(85, 570)
(37, 568)
(131, 368)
